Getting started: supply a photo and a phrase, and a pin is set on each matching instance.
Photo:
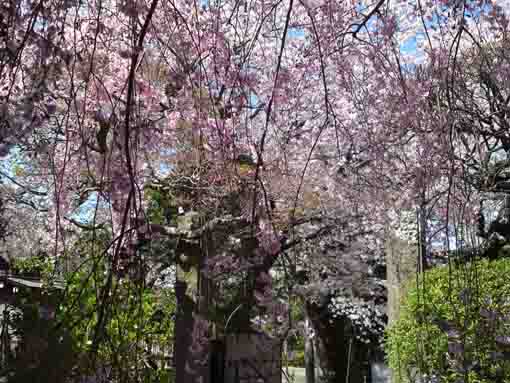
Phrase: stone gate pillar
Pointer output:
(402, 256)
(401, 250)
(252, 357)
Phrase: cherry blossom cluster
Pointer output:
(405, 225)
(368, 321)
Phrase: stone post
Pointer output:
(309, 354)
(401, 264)
(402, 253)
(401, 250)
(183, 330)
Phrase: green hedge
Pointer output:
(454, 324)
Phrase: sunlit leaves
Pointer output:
(473, 332)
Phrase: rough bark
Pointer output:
(183, 331)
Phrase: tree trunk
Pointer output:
(183, 329)
(343, 358)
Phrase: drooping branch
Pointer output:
(365, 20)
(24, 187)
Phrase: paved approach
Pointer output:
(296, 375)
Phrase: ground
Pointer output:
(296, 375)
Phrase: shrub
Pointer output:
(138, 318)
(298, 359)
(454, 325)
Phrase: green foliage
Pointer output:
(38, 266)
(296, 341)
(155, 210)
(137, 328)
(162, 208)
(299, 359)
(450, 324)
(136, 320)
(167, 376)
